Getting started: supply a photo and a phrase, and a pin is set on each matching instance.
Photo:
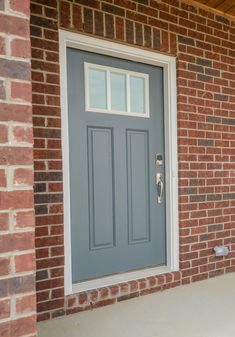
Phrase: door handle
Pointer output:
(160, 187)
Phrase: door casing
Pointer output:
(168, 63)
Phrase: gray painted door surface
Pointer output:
(116, 223)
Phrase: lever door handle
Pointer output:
(160, 187)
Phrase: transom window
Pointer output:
(116, 91)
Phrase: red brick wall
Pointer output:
(204, 45)
(17, 247)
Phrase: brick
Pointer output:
(77, 17)
(16, 285)
(5, 329)
(54, 304)
(147, 36)
(2, 45)
(138, 34)
(2, 90)
(88, 20)
(99, 23)
(112, 9)
(92, 3)
(26, 304)
(23, 134)
(4, 266)
(23, 177)
(16, 200)
(24, 219)
(156, 39)
(15, 112)
(125, 3)
(4, 309)
(43, 22)
(16, 242)
(14, 25)
(119, 28)
(65, 9)
(129, 31)
(136, 17)
(24, 262)
(21, 91)
(42, 275)
(50, 12)
(20, 48)
(204, 62)
(219, 97)
(3, 182)
(3, 134)
(14, 69)
(222, 19)
(21, 7)
(23, 326)
(3, 221)
(109, 26)
(186, 40)
(127, 297)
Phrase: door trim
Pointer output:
(168, 63)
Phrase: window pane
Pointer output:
(137, 94)
(118, 91)
(97, 89)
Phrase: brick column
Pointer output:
(17, 247)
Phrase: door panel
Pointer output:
(116, 223)
(138, 186)
(101, 178)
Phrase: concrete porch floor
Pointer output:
(202, 309)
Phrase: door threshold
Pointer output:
(118, 278)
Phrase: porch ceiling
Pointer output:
(223, 6)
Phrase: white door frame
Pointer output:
(168, 63)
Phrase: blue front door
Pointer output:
(116, 149)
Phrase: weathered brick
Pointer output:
(14, 69)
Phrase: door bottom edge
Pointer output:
(119, 278)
